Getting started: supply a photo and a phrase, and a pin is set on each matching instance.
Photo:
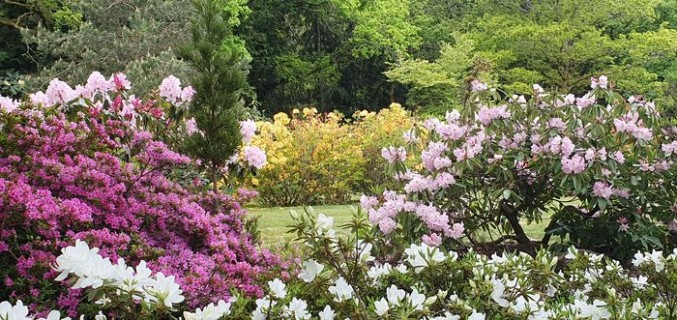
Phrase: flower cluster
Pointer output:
(597, 162)
(81, 170)
(345, 280)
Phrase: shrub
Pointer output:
(346, 277)
(74, 165)
(602, 166)
(325, 158)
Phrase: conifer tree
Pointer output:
(220, 81)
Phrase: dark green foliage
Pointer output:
(220, 81)
(136, 37)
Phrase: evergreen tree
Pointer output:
(220, 81)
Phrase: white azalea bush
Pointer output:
(345, 276)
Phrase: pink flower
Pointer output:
(191, 126)
(456, 231)
(602, 82)
(669, 148)
(255, 156)
(170, 89)
(557, 123)
(187, 94)
(367, 202)
(392, 154)
(602, 190)
(623, 221)
(8, 105)
(618, 156)
(120, 81)
(387, 225)
(575, 165)
(432, 240)
(59, 92)
(477, 86)
(248, 130)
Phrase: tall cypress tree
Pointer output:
(220, 81)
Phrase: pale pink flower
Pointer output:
(432, 240)
(248, 130)
(255, 156)
(392, 154)
(7, 104)
(187, 94)
(170, 89)
(575, 165)
(191, 126)
(602, 190)
(477, 86)
(619, 157)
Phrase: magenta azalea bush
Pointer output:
(75, 165)
(600, 167)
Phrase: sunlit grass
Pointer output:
(274, 222)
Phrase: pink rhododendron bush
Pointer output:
(76, 165)
(601, 167)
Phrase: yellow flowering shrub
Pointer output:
(324, 158)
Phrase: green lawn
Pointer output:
(274, 222)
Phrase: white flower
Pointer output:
(477, 316)
(127, 279)
(165, 290)
(326, 314)
(90, 268)
(210, 312)
(447, 316)
(16, 312)
(381, 307)
(423, 256)
(100, 316)
(597, 310)
(497, 293)
(278, 288)
(639, 282)
(402, 268)
(311, 269)
(297, 307)
(53, 315)
(364, 251)
(377, 271)
(341, 290)
(416, 300)
(395, 295)
(324, 222)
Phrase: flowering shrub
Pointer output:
(75, 164)
(602, 166)
(346, 277)
(317, 158)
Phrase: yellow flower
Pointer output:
(282, 119)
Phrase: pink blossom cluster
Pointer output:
(248, 130)
(669, 148)
(392, 154)
(254, 156)
(631, 124)
(171, 90)
(604, 190)
(487, 115)
(86, 176)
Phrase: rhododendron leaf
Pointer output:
(601, 203)
(634, 180)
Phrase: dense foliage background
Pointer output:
(350, 55)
